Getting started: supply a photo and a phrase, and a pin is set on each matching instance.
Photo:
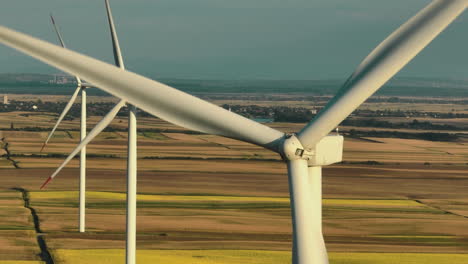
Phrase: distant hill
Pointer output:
(62, 84)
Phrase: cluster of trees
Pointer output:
(397, 134)
(276, 113)
(401, 113)
(415, 124)
(293, 115)
(96, 109)
(303, 115)
(251, 111)
(415, 100)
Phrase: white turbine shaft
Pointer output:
(382, 64)
(131, 186)
(306, 211)
(82, 217)
(91, 135)
(315, 189)
(130, 248)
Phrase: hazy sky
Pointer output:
(235, 39)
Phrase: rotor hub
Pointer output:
(292, 149)
(327, 151)
(85, 85)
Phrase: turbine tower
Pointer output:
(130, 247)
(80, 87)
(305, 152)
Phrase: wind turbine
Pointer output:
(130, 247)
(132, 147)
(80, 87)
(305, 152)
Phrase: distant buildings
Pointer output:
(61, 79)
(5, 99)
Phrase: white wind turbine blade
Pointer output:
(72, 99)
(62, 115)
(156, 98)
(91, 135)
(381, 65)
(57, 31)
(115, 41)
(62, 42)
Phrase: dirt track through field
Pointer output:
(439, 208)
(45, 254)
(5, 145)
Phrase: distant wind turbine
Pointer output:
(81, 87)
(305, 152)
(132, 148)
(130, 246)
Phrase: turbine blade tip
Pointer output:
(42, 148)
(46, 182)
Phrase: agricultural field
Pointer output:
(206, 200)
(250, 256)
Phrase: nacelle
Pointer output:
(329, 150)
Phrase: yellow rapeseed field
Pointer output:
(150, 197)
(20, 262)
(397, 258)
(371, 203)
(188, 198)
(114, 256)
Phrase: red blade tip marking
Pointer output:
(43, 146)
(46, 182)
